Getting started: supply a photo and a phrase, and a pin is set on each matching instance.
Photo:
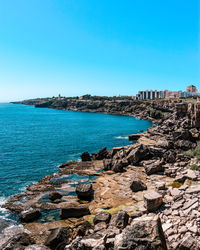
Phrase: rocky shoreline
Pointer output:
(146, 197)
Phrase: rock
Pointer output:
(134, 137)
(160, 185)
(165, 143)
(57, 237)
(184, 144)
(191, 175)
(155, 167)
(84, 191)
(137, 154)
(121, 220)
(74, 212)
(100, 226)
(29, 215)
(36, 247)
(102, 217)
(102, 154)
(85, 156)
(18, 242)
(153, 201)
(188, 243)
(138, 185)
(87, 244)
(118, 165)
(136, 214)
(169, 156)
(107, 163)
(143, 233)
(55, 195)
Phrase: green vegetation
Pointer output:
(176, 184)
(194, 153)
(194, 167)
(154, 113)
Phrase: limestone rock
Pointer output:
(36, 247)
(143, 233)
(138, 185)
(121, 220)
(55, 195)
(57, 237)
(30, 215)
(74, 212)
(102, 217)
(85, 156)
(153, 201)
(84, 191)
(137, 154)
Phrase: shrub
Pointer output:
(194, 153)
(194, 167)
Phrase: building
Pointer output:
(151, 94)
(188, 94)
(192, 89)
(173, 94)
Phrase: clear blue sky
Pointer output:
(107, 47)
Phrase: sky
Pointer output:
(107, 47)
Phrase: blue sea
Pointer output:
(34, 141)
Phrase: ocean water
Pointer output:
(34, 141)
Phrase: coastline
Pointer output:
(158, 154)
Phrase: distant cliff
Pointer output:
(155, 109)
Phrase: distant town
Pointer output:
(156, 94)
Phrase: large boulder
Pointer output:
(107, 164)
(57, 238)
(101, 154)
(118, 165)
(55, 195)
(153, 166)
(121, 219)
(84, 191)
(152, 201)
(85, 156)
(138, 185)
(18, 241)
(138, 154)
(29, 215)
(102, 217)
(170, 156)
(144, 233)
(74, 212)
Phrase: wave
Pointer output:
(121, 137)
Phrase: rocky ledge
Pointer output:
(142, 196)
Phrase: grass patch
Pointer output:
(194, 153)
(91, 219)
(194, 167)
(115, 210)
(176, 184)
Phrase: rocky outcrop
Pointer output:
(57, 239)
(164, 178)
(145, 233)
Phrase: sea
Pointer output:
(34, 141)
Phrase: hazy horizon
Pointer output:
(102, 48)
